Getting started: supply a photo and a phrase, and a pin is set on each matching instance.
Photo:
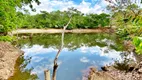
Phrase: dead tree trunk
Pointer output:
(47, 74)
(58, 53)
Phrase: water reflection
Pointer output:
(21, 73)
(80, 51)
(128, 61)
(71, 62)
(55, 66)
(73, 41)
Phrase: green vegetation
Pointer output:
(6, 38)
(58, 19)
(127, 19)
(11, 19)
(126, 16)
(73, 41)
(137, 41)
(8, 17)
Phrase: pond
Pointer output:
(80, 51)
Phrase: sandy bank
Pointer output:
(8, 57)
(98, 30)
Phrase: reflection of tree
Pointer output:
(138, 57)
(21, 73)
(56, 57)
(73, 41)
(126, 62)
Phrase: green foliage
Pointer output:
(6, 38)
(123, 34)
(137, 41)
(8, 18)
(58, 19)
(73, 41)
(127, 17)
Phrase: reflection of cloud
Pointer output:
(101, 51)
(84, 49)
(37, 49)
(110, 53)
(108, 42)
(40, 68)
(109, 62)
(102, 63)
(43, 66)
(84, 60)
(94, 50)
(65, 49)
(37, 59)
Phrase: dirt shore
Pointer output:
(8, 57)
(111, 73)
(98, 30)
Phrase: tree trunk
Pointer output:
(47, 74)
(58, 53)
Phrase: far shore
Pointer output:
(97, 30)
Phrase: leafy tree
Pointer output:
(57, 19)
(127, 16)
(8, 13)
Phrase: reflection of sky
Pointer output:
(71, 62)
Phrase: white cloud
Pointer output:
(84, 49)
(37, 59)
(65, 49)
(101, 51)
(109, 53)
(37, 49)
(62, 5)
(84, 60)
(38, 69)
(106, 62)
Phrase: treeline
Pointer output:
(57, 19)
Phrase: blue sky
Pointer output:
(85, 6)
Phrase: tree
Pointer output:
(8, 13)
(127, 15)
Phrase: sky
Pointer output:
(85, 6)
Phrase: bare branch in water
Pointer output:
(58, 53)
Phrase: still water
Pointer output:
(80, 51)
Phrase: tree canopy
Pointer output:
(8, 18)
(57, 19)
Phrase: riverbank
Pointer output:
(111, 73)
(8, 57)
(97, 30)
